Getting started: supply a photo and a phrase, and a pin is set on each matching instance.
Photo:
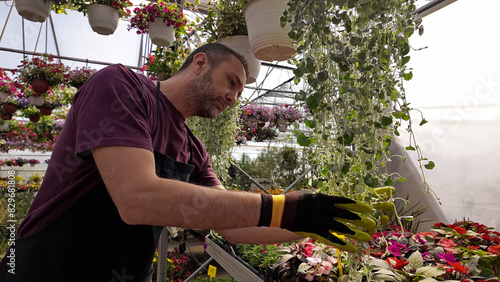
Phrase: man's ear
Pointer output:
(200, 62)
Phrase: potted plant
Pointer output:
(41, 72)
(164, 62)
(33, 162)
(6, 86)
(161, 20)
(103, 15)
(34, 10)
(225, 24)
(52, 101)
(285, 115)
(78, 76)
(35, 98)
(32, 113)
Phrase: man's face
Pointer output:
(217, 88)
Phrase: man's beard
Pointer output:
(201, 95)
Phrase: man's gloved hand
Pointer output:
(384, 203)
(317, 216)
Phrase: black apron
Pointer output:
(96, 244)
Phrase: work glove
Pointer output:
(317, 216)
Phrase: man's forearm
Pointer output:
(258, 235)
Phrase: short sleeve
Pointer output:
(114, 108)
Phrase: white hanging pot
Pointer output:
(103, 19)
(161, 34)
(268, 40)
(37, 101)
(3, 96)
(4, 126)
(240, 44)
(34, 10)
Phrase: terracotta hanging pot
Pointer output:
(3, 96)
(269, 41)
(240, 44)
(161, 34)
(45, 111)
(40, 85)
(37, 101)
(34, 118)
(9, 108)
(103, 19)
(34, 10)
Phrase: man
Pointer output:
(125, 165)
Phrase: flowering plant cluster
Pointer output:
(254, 113)
(42, 67)
(18, 162)
(22, 185)
(163, 63)
(6, 84)
(170, 13)
(286, 113)
(464, 251)
(40, 136)
(120, 5)
(177, 266)
(78, 76)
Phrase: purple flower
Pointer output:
(447, 257)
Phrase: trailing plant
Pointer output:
(353, 62)
(218, 136)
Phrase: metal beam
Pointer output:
(431, 7)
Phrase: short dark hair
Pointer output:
(216, 53)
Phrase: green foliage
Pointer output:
(162, 63)
(218, 135)
(224, 18)
(262, 256)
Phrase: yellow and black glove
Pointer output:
(317, 216)
(384, 204)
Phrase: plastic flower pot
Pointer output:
(283, 127)
(161, 34)
(268, 40)
(4, 126)
(240, 44)
(34, 10)
(39, 85)
(37, 101)
(45, 111)
(103, 19)
(3, 96)
(9, 108)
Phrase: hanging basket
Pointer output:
(37, 101)
(40, 85)
(6, 116)
(161, 34)
(240, 44)
(34, 118)
(4, 126)
(45, 111)
(103, 19)
(3, 96)
(283, 127)
(9, 108)
(268, 40)
(34, 10)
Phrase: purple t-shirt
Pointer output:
(116, 107)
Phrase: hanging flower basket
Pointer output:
(37, 100)
(40, 85)
(240, 44)
(34, 118)
(6, 116)
(4, 126)
(161, 34)
(9, 108)
(103, 19)
(3, 96)
(283, 127)
(34, 10)
(45, 111)
(269, 41)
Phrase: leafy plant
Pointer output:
(224, 18)
(30, 111)
(78, 76)
(164, 62)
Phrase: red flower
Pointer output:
(448, 244)
(494, 249)
(460, 268)
(460, 230)
(397, 263)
